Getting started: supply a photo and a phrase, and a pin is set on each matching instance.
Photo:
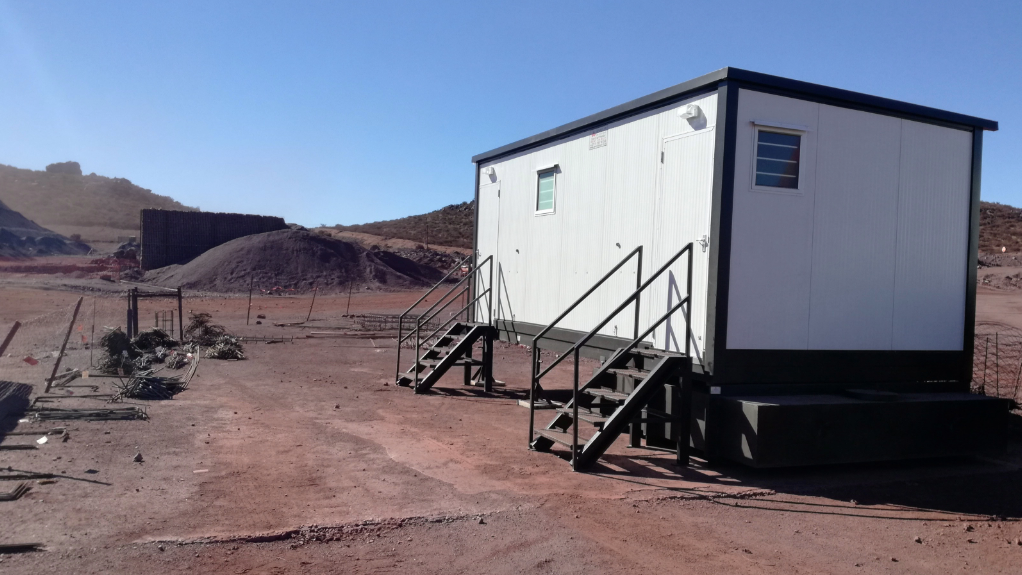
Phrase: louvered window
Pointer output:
(777, 159)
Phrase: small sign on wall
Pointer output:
(597, 140)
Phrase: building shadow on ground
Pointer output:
(925, 490)
(14, 402)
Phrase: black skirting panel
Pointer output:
(558, 340)
(757, 366)
(793, 430)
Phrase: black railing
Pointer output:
(536, 357)
(575, 350)
(427, 319)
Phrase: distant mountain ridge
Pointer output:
(451, 225)
(1000, 226)
(61, 196)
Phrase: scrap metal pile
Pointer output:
(125, 356)
(137, 357)
(214, 337)
(148, 385)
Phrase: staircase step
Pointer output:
(605, 393)
(462, 361)
(656, 353)
(630, 372)
(562, 437)
(587, 416)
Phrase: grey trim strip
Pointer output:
(719, 280)
(835, 388)
(834, 95)
(970, 288)
(475, 249)
(854, 367)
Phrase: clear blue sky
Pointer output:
(346, 112)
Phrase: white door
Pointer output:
(489, 226)
(682, 216)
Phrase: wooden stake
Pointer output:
(10, 336)
(997, 364)
(314, 292)
(251, 283)
(70, 327)
(986, 354)
(92, 338)
(348, 309)
(180, 318)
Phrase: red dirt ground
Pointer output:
(305, 458)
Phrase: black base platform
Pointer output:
(795, 430)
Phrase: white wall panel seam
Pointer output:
(812, 228)
(897, 215)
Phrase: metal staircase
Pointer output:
(618, 395)
(456, 346)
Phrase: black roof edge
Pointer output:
(745, 76)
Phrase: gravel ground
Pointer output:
(305, 458)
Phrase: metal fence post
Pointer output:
(574, 409)
(180, 318)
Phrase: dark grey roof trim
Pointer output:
(753, 78)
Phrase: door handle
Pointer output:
(704, 242)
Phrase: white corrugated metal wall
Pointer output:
(610, 198)
(870, 254)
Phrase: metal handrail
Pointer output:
(427, 338)
(419, 320)
(589, 292)
(606, 366)
(613, 314)
(543, 332)
(449, 292)
(401, 318)
(454, 316)
(576, 348)
(422, 319)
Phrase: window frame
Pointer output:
(779, 129)
(553, 206)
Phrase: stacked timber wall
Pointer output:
(171, 237)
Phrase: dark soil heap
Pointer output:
(293, 259)
(21, 237)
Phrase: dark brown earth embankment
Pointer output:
(293, 259)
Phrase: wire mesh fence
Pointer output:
(35, 347)
(997, 361)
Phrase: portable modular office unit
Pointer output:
(835, 238)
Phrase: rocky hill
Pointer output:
(449, 226)
(1000, 226)
(63, 199)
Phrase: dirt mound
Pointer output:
(293, 259)
(1000, 260)
(451, 225)
(21, 237)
